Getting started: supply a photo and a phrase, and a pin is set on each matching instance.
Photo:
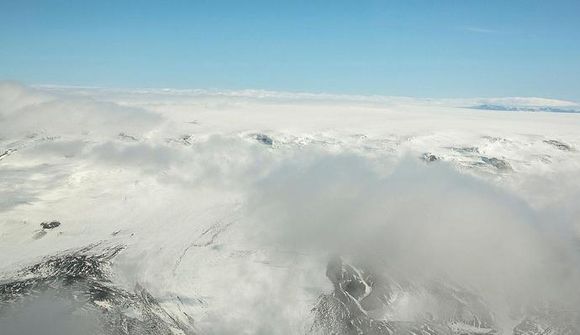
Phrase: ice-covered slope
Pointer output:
(224, 211)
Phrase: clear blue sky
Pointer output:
(414, 48)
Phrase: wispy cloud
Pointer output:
(479, 30)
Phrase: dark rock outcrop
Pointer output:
(499, 164)
(50, 225)
(364, 301)
(362, 298)
(79, 283)
(429, 157)
(559, 145)
(264, 139)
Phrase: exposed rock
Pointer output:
(364, 301)
(361, 298)
(50, 225)
(429, 157)
(499, 164)
(559, 145)
(6, 153)
(544, 320)
(80, 280)
(264, 139)
(127, 137)
(512, 108)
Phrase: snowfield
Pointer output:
(254, 212)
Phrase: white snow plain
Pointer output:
(228, 204)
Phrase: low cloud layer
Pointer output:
(25, 111)
(427, 221)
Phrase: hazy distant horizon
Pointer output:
(406, 48)
(216, 90)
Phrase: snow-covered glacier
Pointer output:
(163, 211)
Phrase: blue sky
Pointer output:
(462, 48)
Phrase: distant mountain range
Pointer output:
(549, 109)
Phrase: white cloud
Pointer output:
(480, 30)
(26, 111)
